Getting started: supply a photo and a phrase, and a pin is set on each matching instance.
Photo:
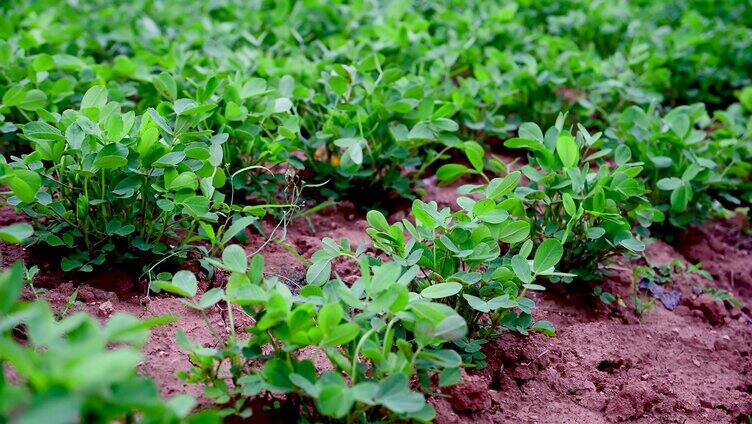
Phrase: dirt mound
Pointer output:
(688, 365)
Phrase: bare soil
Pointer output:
(690, 365)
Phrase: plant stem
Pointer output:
(354, 373)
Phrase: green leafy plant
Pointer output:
(732, 143)
(666, 272)
(653, 276)
(366, 96)
(723, 296)
(457, 257)
(74, 369)
(577, 195)
(100, 181)
(683, 167)
(65, 368)
(374, 336)
(373, 127)
(471, 351)
(16, 233)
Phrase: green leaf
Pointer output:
(186, 281)
(521, 269)
(622, 155)
(241, 291)
(499, 187)
(33, 100)
(377, 220)
(595, 233)
(235, 259)
(237, 226)
(338, 84)
(11, 285)
(679, 123)
(569, 205)
(319, 272)
(680, 198)
(16, 233)
(475, 154)
(75, 136)
(330, 316)
(14, 96)
(531, 131)
(41, 131)
(503, 301)
(477, 303)
(256, 270)
(523, 143)
(211, 298)
(95, 97)
(170, 159)
(183, 283)
(440, 290)
(196, 206)
(43, 62)
(307, 386)
(669, 184)
(253, 87)
(166, 85)
(277, 373)
(384, 277)
(182, 405)
(423, 215)
(335, 401)
(452, 327)
(451, 172)
(662, 161)
(281, 105)
(633, 244)
(544, 327)
(549, 254)
(396, 396)
(568, 151)
(514, 232)
(24, 184)
(342, 334)
(112, 156)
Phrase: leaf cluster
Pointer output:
(343, 352)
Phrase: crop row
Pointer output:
(137, 133)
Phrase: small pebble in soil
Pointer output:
(721, 344)
(105, 309)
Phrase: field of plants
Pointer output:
(361, 211)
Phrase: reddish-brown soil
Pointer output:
(690, 365)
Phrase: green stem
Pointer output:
(354, 373)
(386, 334)
(429, 163)
(232, 322)
(415, 356)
